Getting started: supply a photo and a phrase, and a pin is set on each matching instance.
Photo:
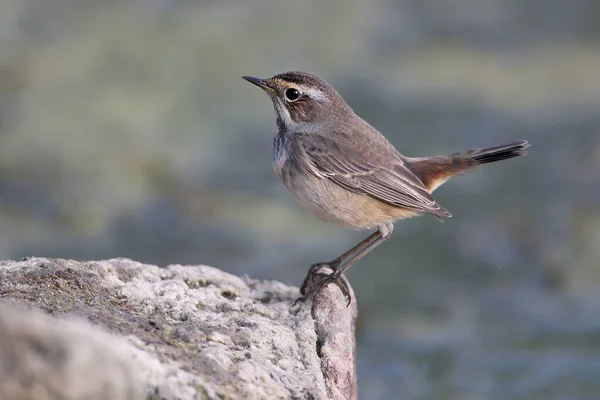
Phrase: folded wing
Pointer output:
(359, 169)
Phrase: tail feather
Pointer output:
(497, 153)
(434, 171)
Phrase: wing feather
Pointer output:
(387, 179)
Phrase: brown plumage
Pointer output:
(344, 171)
(434, 171)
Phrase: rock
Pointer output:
(180, 332)
(43, 358)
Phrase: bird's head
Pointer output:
(302, 100)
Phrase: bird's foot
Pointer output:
(316, 280)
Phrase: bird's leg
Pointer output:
(342, 263)
(335, 264)
(335, 276)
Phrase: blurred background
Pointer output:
(126, 131)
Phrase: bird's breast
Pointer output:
(279, 161)
(280, 156)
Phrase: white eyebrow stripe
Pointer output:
(313, 93)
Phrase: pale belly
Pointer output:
(333, 203)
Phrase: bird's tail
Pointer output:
(496, 153)
(433, 171)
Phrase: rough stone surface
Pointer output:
(43, 358)
(180, 332)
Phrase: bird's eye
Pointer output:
(292, 94)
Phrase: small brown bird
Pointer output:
(344, 171)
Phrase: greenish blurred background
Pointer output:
(125, 130)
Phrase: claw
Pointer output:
(298, 300)
(312, 271)
(342, 283)
(314, 290)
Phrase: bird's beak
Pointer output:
(261, 83)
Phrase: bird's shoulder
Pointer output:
(356, 148)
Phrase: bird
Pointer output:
(346, 172)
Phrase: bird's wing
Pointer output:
(361, 168)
